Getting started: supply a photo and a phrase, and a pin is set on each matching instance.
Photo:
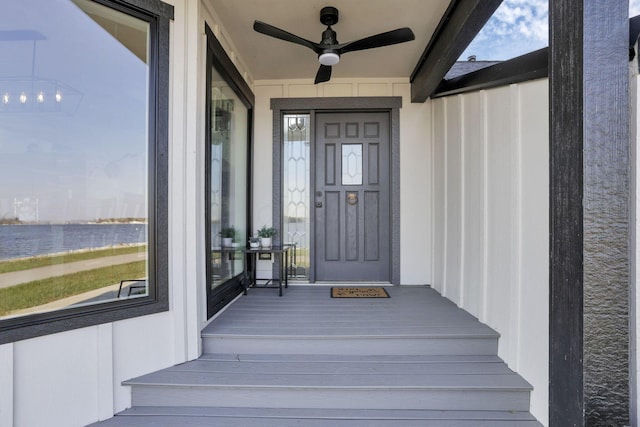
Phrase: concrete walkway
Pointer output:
(18, 277)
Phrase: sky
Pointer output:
(517, 27)
(86, 162)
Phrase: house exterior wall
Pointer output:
(415, 147)
(490, 209)
(473, 224)
(74, 378)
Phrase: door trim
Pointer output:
(391, 104)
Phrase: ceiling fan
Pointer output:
(329, 50)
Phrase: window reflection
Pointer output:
(296, 178)
(228, 181)
(73, 155)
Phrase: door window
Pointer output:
(351, 164)
(296, 167)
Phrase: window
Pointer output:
(228, 144)
(228, 181)
(296, 166)
(84, 190)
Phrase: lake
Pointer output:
(19, 241)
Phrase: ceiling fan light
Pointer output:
(329, 58)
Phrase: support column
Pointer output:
(589, 213)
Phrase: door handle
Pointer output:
(318, 204)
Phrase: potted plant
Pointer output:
(228, 234)
(254, 242)
(265, 234)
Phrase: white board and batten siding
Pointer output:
(490, 210)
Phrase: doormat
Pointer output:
(359, 293)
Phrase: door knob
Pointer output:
(318, 204)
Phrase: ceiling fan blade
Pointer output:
(276, 32)
(324, 74)
(400, 35)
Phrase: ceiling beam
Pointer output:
(462, 21)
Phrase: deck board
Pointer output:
(309, 311)
(267, 417)
(306, 359)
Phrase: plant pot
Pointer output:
(227, 242)
(265, 242)
(254, 245)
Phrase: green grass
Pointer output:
(40, 292)
(49, 260)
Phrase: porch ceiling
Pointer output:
(269, 58)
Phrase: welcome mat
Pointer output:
(367, 292)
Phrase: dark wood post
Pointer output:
(589, 213)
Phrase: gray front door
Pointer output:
(352, 226)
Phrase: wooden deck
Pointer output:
(307, 359)
(306, 320)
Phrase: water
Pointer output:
(18, 241)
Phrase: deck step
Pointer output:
(306, 359)
(308, 321)
(267, 417)
(278, 381)
(351, 344)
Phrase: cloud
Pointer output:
(517, 27)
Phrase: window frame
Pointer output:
(158, 15)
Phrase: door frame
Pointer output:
(390, 104)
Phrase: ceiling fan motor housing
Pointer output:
(329, 15)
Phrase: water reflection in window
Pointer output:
(73, 155)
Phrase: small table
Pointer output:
(282, 252)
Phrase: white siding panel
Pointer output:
(337, 89)
(303, 91)
(140, 346)
(262, 161)
(490, 171)
(439, 193)
(55, 379)
(499, 213)
(415, 201)
(474, 209)
(453, 207)
(105, 370)
(6, 385)
(534, 170)
(373, 89)
(262, 152)
(186, 180)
